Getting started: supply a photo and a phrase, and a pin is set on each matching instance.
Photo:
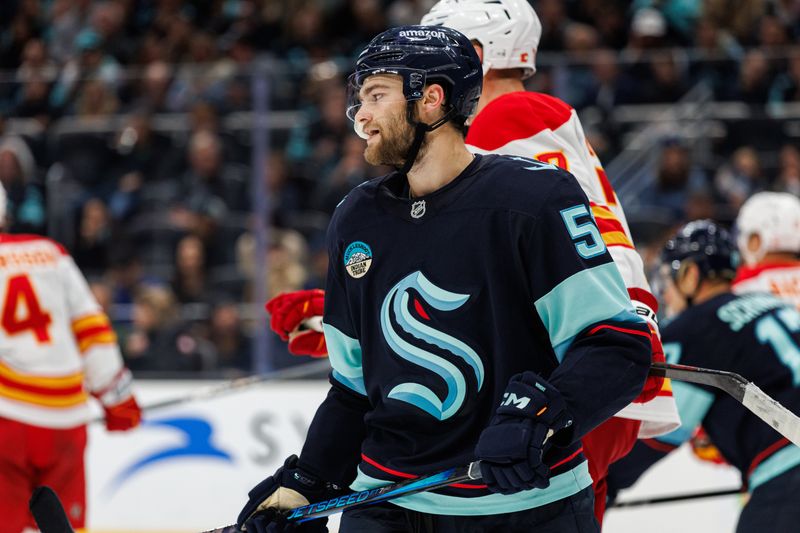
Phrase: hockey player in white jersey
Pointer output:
(57, 348)
(768, 229)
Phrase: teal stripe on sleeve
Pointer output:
(590, 296)
(344, 353)
(693, 404)
(780, 461)
(561, 486)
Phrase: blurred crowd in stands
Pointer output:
(125, 132)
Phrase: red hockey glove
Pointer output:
(646, 307)
(295, 317)
(123, 416)
(121, 410)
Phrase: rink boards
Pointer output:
(188, 468)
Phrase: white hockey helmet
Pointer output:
(775, 218)
(508, 30)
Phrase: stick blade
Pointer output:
(48, 512)
(773, 413)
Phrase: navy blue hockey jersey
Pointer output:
(756, 335)
(432, 304)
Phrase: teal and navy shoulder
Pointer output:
(523, 184)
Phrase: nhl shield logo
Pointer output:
(418, 209)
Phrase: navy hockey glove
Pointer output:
(511, 447)
(288, 488)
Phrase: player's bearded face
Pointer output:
(394, 140)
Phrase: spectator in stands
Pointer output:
(553, 16)
(65, 19)
(739, 20)
(190, 281)
(786, 87)
(18, 174)
(676, 180)
(211, 175)
(93, 66)
(226, 332)
(788, 179)
(93, 245)
(159, 340)
(152, 89)
(665, 83)
(718, 56)
(755, 78)
(741, 178)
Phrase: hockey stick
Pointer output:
(324, 508)
(48, 512)
(746, 392)
(677, 498)
(298, 371)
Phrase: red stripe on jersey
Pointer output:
(608, 190)
(643, 296)
(615, 328)
(513, 116)
(747, 272)
(397, 473)
(7, 238)
(388, 470)
(606, 225)
(659, 446)
(766, 453)
(92, 331)
(42, 390)
(567, 459)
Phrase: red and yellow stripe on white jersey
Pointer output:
(542, 127)
(56, 345)
(781, 279)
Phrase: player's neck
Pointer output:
(495, 86)
(778, 257)
(710, 289)
(444, 159)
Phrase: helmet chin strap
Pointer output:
(420, 129)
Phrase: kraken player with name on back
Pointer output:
(472, 311)
(512, 121)
(756, 335)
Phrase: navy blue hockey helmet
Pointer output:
(422, 55)
(706, 244)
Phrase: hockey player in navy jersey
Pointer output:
(756, 335)
(472, 310)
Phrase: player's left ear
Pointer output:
(688, 278)
(432, 102)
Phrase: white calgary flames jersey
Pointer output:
(781, 279)
(56, 344)
(542, 127)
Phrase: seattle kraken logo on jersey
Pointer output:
(397, 305)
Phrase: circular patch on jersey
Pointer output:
(357, 259)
